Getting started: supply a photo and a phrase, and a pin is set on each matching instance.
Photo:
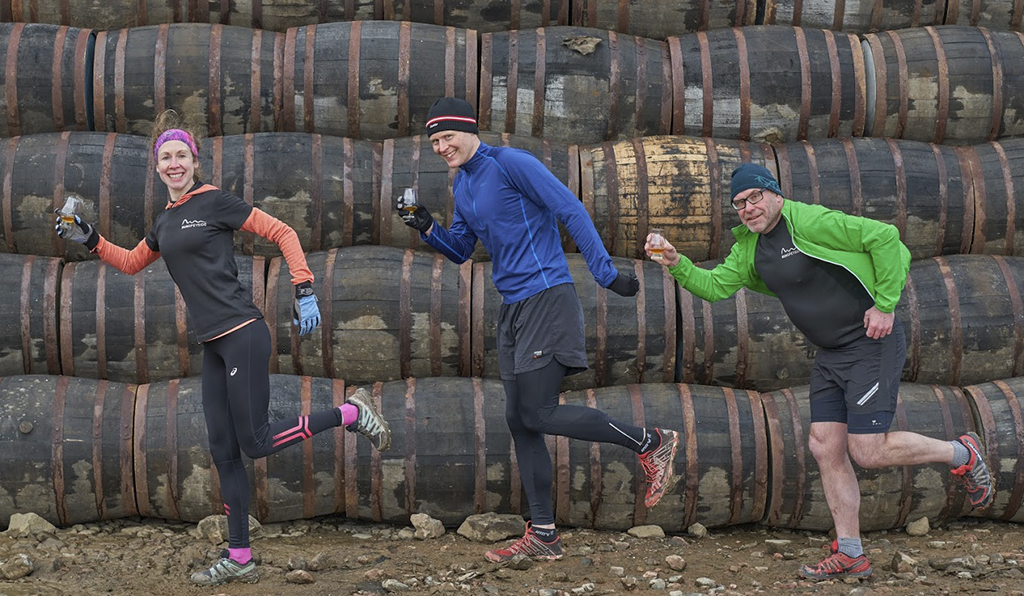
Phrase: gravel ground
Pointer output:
(338, 556)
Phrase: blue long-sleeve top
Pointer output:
(512, 203)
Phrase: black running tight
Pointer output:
(236, 402)
(532, 411)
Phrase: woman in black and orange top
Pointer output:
(194, 235)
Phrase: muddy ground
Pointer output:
(968, 556)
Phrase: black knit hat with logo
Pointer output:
(451, 113)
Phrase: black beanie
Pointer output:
(451, 113)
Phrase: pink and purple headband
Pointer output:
(174, 134)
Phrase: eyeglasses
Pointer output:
(752, 199)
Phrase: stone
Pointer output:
(215, 528)
(393, 585)
(299, 576)
(779, 546)
(919, 527)
(657, 584)
(27, 524)
(903, 563)
(697, 531)
(705, 583)
(16, 567)
(520, 562)
(617, 571)
(426, 526)
(675, 562)
(492, 527)
(319, 562)
(649, 531)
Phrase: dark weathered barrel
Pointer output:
(272, 15)
(175, 477)
(226, 75)
(922, 189)
(386, 314)
(45, 78)
(960, 314)
(890, 497)
(66, 448)
(410, 162)
(373, 79)
(28, 311)
(997, 180)
(133, 328)
(950, 84)
(574, 84)
(451, 456)
(658, 19)
(768, 83)
(997, 407)
(323, 187)
(855, 17)
(722, 464)
(994, 14)
(111, 173)
(679, 184)
(628, 340)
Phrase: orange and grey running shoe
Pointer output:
(837, 565)
(657, 465)
(975, 472)
(530, 545)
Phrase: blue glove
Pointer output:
(77, 232)
(306, 314)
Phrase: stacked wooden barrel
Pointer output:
(314, 112)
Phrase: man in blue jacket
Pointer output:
(839, 278)
(509, 201)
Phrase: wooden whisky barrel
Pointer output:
(922, 189)
(997, 406)
(229, 76)
(950, 84)
(45, 78)
(855, 17)
(659, 19)
(112, 174)
(768, 84)
(373, 79)
(386, 314)
(993, 14)
(574, 84)
(66, 448)
(997, 181)
(28, 311)
(133, 328)
(959, 313)
(890, 497)
(628, 340)
(680, 184)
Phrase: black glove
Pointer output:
(625, 285)
(79, 231)
(418, 218)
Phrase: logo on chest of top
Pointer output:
(187, 223)
(788, 252)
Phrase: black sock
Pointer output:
(546, 534)
(651, 442)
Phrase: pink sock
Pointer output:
(240, 555)
(349, 414)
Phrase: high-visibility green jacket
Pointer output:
(870, 250)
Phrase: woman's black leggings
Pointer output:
(532, 411)
(236, 402)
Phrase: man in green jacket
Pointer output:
(839, 278)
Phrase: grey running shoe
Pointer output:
(657, 465)
(225, 570)
(531, 546)
(370, 423)
(975, 472)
